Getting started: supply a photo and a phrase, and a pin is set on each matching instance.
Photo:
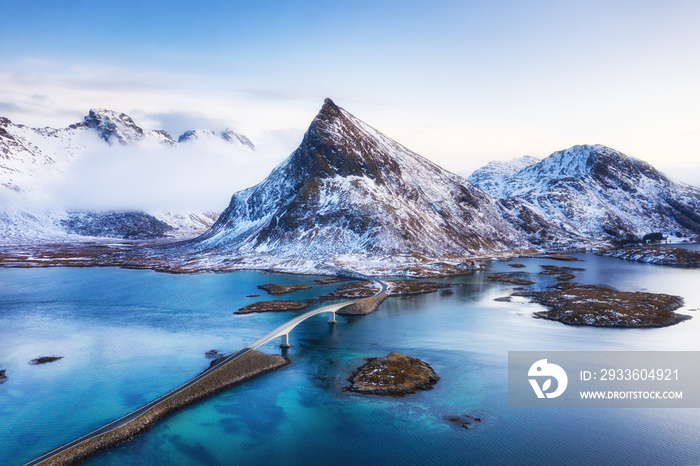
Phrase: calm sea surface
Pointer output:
(127, 336)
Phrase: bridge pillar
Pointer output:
(331, 318)
(285, 341)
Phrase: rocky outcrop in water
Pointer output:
(44, 360)
(272, 306)
(395, 374)
(273, 288)
(601, 306)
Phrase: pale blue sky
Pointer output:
(459, 82)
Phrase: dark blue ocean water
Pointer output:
(128, 336)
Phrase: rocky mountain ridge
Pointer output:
(350, 190)
(592, 193)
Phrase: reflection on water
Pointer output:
(129, 335)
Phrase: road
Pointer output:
(283, 329)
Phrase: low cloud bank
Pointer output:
(197, 175)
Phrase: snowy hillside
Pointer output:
(592, 193)
(31, 157)
(491, 177)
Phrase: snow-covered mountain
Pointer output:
(591, 193)
(348, 189)
(491, 177)
(119, 127)
(31, 156)
(228, 135)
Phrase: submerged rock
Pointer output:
(44, 360)
(3, 377)
(394, 374)
(465, 421)
(213, 354)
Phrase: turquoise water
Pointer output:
(128, 336)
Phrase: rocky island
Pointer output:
(273, 288)
(395, 374)
(601, 306)
(271, 306)
(509, 277)
(357, 289)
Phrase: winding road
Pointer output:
(281, 331)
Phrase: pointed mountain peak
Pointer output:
(329, 107)
(113, 126)
(329, 114)
(339, 144)
(349, 189)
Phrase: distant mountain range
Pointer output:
(588, 194)
(349, 191)
(26, 153)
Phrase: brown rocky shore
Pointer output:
(395, 374)
(362, 307)
(656, 254)
(247, 366)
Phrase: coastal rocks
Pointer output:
(466, 421)
(273, 288)
(44, 360)
(362, 307)
(272, 306)
(395, 374)
(516, 265)
(600, 306)
(662, 255)
(213, 354)
(329, 281)
(508, 277)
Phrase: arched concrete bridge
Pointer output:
(282, 331)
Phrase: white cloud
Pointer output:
(197, 175)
